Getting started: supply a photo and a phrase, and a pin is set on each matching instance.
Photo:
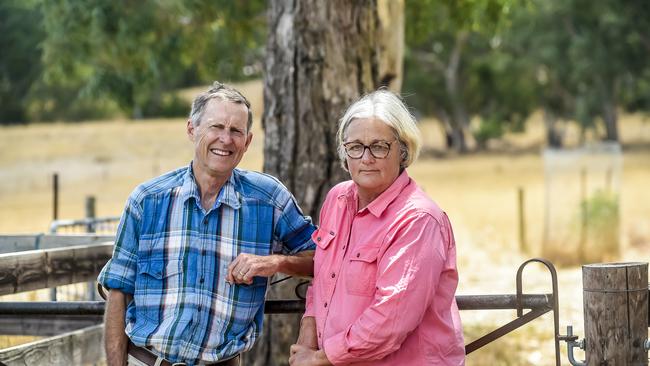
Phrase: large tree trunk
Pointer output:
(321, 56)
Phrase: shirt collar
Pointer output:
(228, 194)
(379, 204)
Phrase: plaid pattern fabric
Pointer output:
(173, 257)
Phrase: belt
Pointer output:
(150, 358)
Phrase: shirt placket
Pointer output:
(198, 332)
(339, 256)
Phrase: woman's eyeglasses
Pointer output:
(378, 149)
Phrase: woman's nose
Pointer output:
(367, 156)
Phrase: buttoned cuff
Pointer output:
(337, 350)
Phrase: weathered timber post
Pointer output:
(521, 209)
(90, 215)
(55, 215)
(615, 299)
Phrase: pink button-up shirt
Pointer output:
(384, 280)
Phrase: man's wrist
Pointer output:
(278, 263)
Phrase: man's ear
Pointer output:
(249, 138)
(190, 130)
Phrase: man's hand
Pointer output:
(247, 266)
(305, 356)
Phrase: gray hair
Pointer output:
(390, 109)
(222, 92)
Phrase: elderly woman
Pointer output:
(385, 264)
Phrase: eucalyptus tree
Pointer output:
(20, 35)
(449, 43)
(589, 57)
(133, 51)
(320, 56)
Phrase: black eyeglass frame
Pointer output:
(345, 147)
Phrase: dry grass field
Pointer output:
(108, 159)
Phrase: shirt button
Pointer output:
(201, 280)
(344, 247)
(199, 309)
(205, 221)
(203, 252)
(325, 304)
(319, 335)
(358, 255)
(333, 275)
(318, 238)
(332, 233)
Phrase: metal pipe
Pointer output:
(497, 302)
(465, 302)
(571, 343)
(40, 308)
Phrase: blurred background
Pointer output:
(534, 116)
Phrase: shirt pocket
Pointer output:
(323, 238)
(155, 279)
(361, 278)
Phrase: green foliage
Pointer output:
(601, 208)
(99, 56)
(600, 214)
(489, 76)
(20, 35)
(71, 59)
(584, 52)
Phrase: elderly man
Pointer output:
(195, 246)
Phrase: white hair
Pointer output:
(390, 109)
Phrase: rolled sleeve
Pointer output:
(408, 273)
(293, 230)
(119, 271)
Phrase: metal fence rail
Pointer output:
(101, 225)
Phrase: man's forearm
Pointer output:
(300, 264)
(115, 340)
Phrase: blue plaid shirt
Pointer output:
(173, 257)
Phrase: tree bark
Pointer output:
(460, 120)
(321, 56)
(610, 116)
(553, 134)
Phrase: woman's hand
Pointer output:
(305, 356)
(307, 336)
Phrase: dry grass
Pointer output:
(108, 159)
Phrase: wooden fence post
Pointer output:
(55, 216)
(521, 208)
(615, 297)
(91, 214)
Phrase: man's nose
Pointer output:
(224, 136)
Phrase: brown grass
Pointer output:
(108, 159)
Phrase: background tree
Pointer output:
(321, 55)
(587, 58)
(20, 67)
(448, 41)
(134, 52)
